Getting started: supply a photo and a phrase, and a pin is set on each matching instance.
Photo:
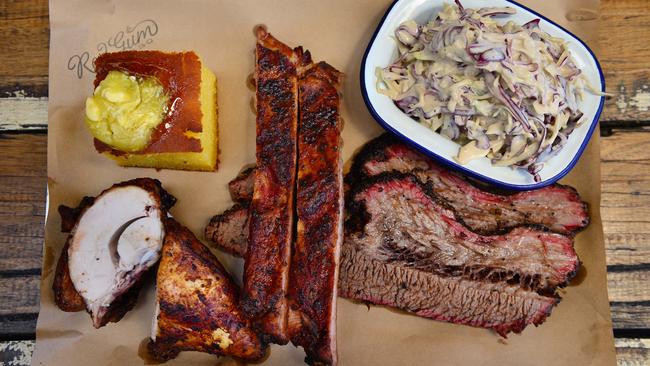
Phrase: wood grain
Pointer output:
(24, 41)
(624, 54)
(23, 179)
(632, 352)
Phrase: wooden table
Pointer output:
(625, 153)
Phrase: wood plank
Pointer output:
(24, 41)
(625, 199)
(20, 294)
(630, 315)
(19, 326)
(632, 351)
(629, 248)
(24, 155)
(11, 10)
(20, 253)
(23, 180)
(22, 112)
(628, 283)
(623, 27)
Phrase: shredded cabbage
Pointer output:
(507, 92)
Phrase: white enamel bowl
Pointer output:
(382, 50)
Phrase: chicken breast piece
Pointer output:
(117, 237)
(197, 303)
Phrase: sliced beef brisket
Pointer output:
(557, 207)
(405, 248)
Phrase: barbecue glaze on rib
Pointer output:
(319, 211)
(557, 207)
(266, 269)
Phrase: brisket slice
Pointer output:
(404, 248)
(319, 211)
(556, 207)
(398, 219)
(229, 230)
(266, 268)
(498, 306)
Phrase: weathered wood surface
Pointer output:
(625, 152)
(624, 30)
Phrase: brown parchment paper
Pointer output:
(579, 330)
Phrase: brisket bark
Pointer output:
(319, 211)
(266, 269)
(556, 207)
(406, 248)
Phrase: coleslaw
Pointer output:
(507, 92)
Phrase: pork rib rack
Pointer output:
(319, 211)
(266, 269)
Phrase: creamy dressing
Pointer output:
(506, 91)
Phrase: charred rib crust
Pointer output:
(314, 266)
(267, 260)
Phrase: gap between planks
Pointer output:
(629, 352)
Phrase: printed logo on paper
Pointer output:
(133, 37)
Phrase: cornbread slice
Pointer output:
(187, 136)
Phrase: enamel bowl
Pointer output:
(382, 50)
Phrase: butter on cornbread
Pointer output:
(154, 109)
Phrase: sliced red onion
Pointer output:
(459, 111)
(461, 9)
(450, 129)
(533, 24)
(405, 103)
(481, 47)
(490, 12)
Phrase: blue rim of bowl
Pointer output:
(469, 172)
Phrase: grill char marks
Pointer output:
(266, 269)
(409, 251)
(319, 211)
(557, 207)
